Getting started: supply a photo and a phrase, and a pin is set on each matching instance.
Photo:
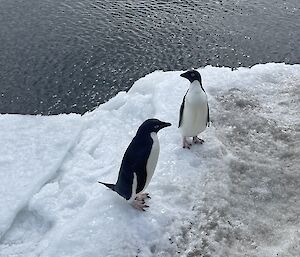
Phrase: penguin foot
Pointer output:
(139, 204)
(197, 140)
(186, 144)
(142, 196)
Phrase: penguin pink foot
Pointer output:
(142, 196)
(197, 140)
(186, 144)
(139, 204)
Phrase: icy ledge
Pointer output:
(237, 194)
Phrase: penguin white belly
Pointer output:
(195, 113)
(153, 157)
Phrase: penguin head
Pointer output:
(192, 75)
(152, 125)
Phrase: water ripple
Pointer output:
(71, 55)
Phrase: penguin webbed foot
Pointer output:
(142, 196)
(139, 201)
(186, 144)
(139, 204)
(197, 140)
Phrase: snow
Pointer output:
(235, 195)
(32, 149)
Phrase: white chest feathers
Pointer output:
(195, 112)
(153, 157)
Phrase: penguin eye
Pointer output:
(156, 126)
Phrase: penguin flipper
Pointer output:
(208, 118)
(137, 171)
(133, 168)
(125, 188)
(132, 175)
(181, 110)
(141, 180)
(125, 182)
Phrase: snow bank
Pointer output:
(237, 194)
(32, 150)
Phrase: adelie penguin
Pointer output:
(138, 164)
(194, 111)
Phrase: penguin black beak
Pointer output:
(165, 124)
(184, 75)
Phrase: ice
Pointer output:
(235, 195)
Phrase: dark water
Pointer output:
(61, 56)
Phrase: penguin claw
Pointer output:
(187, 145)
(146, 206)
(139, 205)
(146, 195)
(197, 140)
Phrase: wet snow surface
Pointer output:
(235, 195)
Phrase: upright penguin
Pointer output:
(194, 110)
(138, 164)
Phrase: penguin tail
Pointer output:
(110, 186)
